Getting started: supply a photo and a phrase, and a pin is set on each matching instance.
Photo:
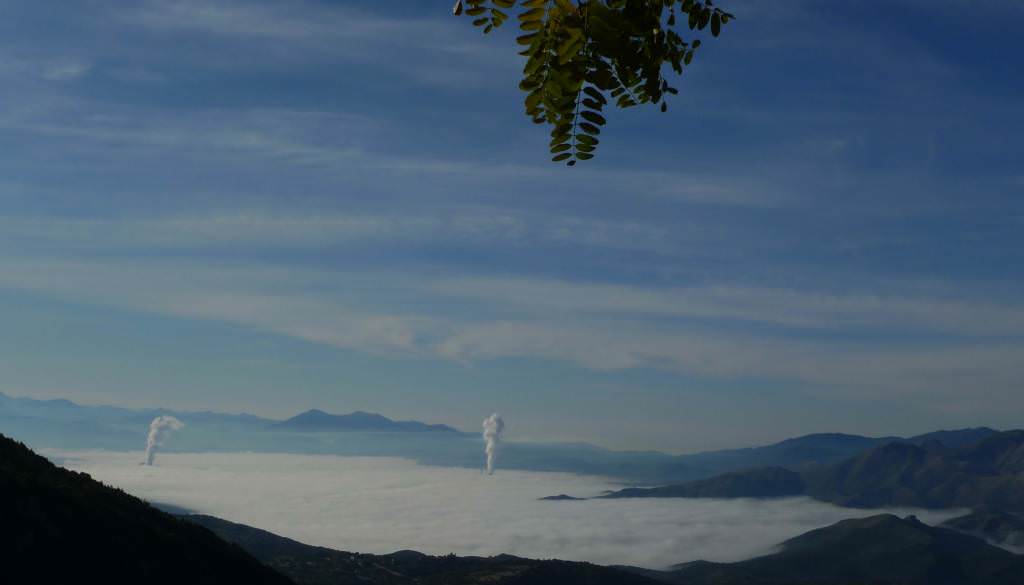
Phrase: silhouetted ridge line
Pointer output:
(59, 526)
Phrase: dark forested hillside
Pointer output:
(311, 565)
(58, 526)
(879, 550)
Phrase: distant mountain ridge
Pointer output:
(767, 482)
(319, 421)
(988, 474)
(62, 424)
(63, 409)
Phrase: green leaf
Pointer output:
(532, 15)
(582, 54)
(596, 95)
(593, 117)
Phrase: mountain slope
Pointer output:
(823, 448)
(795, 453)
(956, 438)
(318, 420)
(58, 526)
(997, 527)
(770, 482)
(878, 550)
(987, 474)
(311, 565)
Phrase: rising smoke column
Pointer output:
(493, 427)
(159, 429)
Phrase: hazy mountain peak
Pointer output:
(316, 420)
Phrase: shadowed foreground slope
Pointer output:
(878, 550)
(59, 526)
(311, 565)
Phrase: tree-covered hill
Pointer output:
(878, 550)
(59, 526)
(312, 565)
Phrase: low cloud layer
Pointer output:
(381, 505)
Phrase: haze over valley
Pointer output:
(381, 505)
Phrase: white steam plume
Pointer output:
(158, 431)
(493, 427)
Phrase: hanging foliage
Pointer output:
(582, 56)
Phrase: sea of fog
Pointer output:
(380, 505)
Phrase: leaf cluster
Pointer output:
(582, 56)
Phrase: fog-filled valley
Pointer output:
(381, 505)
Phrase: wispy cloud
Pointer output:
(802, 309)
(301, 22)
(479, 226)
(304, 32)
(66, 70)
(55, 67)
(608, 328)
(335, 144)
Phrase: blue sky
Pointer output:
(266, 207)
